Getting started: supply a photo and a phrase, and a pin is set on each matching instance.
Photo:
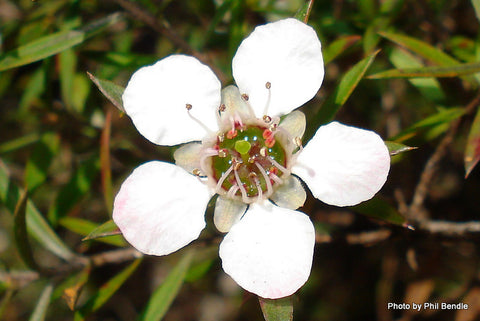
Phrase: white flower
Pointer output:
(247, 156)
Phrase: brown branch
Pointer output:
(448, 228)
(416, 212)
(362, 238)
(164, 28)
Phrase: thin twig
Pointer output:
(416, 212)
(447, 228)
(165, 29)
(362, 238)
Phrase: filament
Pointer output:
(222, 179)
(267, 179)
(276, 164)
(242, 189)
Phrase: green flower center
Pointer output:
(249, 164)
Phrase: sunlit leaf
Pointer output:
(338, 98)
(54, 43)
(112, 91)
(396, 148)
(40, 311)
(339, 46)
(164, 295)
(380, 209)
(472, 150)
(106, 233)
(277, 310)
(105, 292)
(37, 225)
(436, 72)
(20, 233)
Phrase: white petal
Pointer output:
(290, 194)
(235, 107)
(294, 123)
(270, 251)
(227, 213)
(160, 208)
(344, 165)
(156, 98)
(288, 55)
(188, 157)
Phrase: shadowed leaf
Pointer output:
(304, 12)
(339, 46)
(107, 230)
(21, 235)
(472, 150)
(277, 310)
(436, 72)
(164, 295)
(54, 43)
(380, 209)
(106, 233)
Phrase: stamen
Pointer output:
(263, 151)
(274, 162)
(196, 172)
(189, 107)
(222, 108)
(267, 179)
(209, 152)
(242, 188)
(232, 191)
(277, 179)
(268, 85)
(218, 188)
(267, 119)
(259, 188)
(245, 97)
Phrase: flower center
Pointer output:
(249, 164)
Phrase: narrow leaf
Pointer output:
(93, 231)
(105, 292)
(396, 148)
(72, 293)
(43, 302)
(164, 295)
(112, 91)
(304, 12)
(338, 98)
(380, 209)
(21, 235)
(107, 229)
(40, 160)
(37, 225)
(52, 44)
(436, 72)
(339, 46)
(277, 310)
(472, 150)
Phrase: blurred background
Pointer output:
(71, 148)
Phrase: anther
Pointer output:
(297, 141)
(267, 119)
(268, 85)
(237, 166)
(222, 153)
(252, 159)
(245, 97)
(196, 172)
(263, 151)
(252, 175)
(189, 106)
(222, 108)
(221, 138)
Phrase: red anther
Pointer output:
(231, 134)
(273, 170)
(216, 147)
(269, 142)
(267, 134)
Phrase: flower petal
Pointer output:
(344, 165)
(270, 251)
(227, 213)
(294, 123)
(290, 194)
(188, 157)
(235, 108)
(288, 55)
(160, 208)
(157, 96)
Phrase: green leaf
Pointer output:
(72, 288)
(40, 311)
(338, 98)
(6, 301)
(112, 91)
(55, 43)
(36, 171)
(424, 49)
(20, 232)
(304, 12)
(472, 150)
(105, 292)
(106, 233)
(277, 310)
(380, 209)
(37, 225)
(397, 148)
(19, 142)
(34, 88)
(436, 72)
(68, 64)
(339, 46)
(164, 295)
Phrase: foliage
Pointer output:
(406, 69)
